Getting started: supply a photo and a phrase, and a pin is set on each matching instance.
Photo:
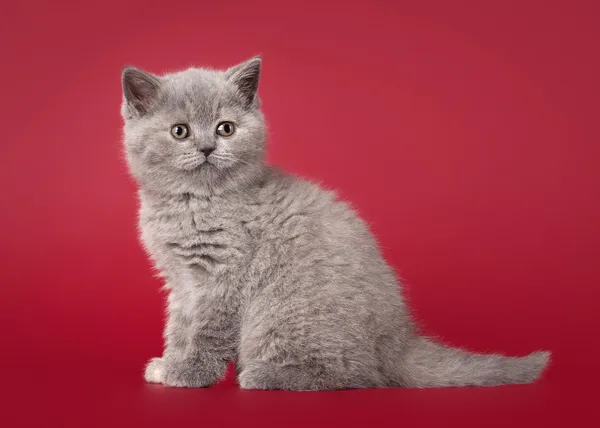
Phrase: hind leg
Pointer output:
(260, 374)
(308, 374)
(293, 344)
(313, 376)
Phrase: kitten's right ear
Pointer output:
(140, 90)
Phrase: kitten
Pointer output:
(263, 269)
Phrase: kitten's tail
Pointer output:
(427, 364)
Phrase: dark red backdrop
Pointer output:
(465, 132)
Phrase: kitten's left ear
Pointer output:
(246, 76)
(140, 90)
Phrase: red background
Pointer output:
(466, 133)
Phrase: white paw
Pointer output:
(155, 371)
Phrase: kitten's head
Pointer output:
(197, 131)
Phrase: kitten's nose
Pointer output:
(207, 152)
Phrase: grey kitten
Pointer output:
(263, 269)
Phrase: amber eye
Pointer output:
(225, 129)
(180, 131)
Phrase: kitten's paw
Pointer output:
(186, 375)
(256, 375)
(155, 371)
(247, 381)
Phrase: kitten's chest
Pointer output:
(207, 238)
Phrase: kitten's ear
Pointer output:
(245, 76)
(140, 90)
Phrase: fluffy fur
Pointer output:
(264, 269)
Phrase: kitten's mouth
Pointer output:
(206, 165)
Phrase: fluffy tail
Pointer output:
(427, 364)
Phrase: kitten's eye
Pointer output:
(225, 129)
(180, 131)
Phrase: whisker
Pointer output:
(231, 158)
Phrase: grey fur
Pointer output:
(264, 269)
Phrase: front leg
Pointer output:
(199, 342)
(197, 372)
